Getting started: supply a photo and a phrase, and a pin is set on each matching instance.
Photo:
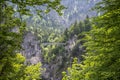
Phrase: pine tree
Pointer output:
(87, 24)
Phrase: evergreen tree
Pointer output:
(87, 24)
(102, 59)
(76, 28)
(81, 26)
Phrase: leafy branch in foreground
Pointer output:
(11, 32)
(102, 58)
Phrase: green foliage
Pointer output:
(87, 24)
(33, 72)
(102, 59)
(10, 69)
(22, 6)
(18, 71)
(10, 41)
(79, 27)
(73, 73)
(11, 32)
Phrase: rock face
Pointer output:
(31, 48)
(60, 63)
(76, 10)
(32, 52)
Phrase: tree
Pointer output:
(81, 26)
(19, 71)
(87, 24)
(11, 31)
(9, 40)
(103, 44)
(73, 72)
(76, 28)
(102, 59)
(32, 72)
(22, 5)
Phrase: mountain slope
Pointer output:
(75, 10)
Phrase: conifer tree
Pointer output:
(102, 59)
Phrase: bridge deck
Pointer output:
(53, 43)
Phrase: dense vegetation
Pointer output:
(102, 58)
(60, 56)
(88, 50)
(12, 28)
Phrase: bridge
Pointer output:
(53, 43)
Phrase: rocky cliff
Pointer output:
(63, 54)
(31, 48)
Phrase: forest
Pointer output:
(59, 39)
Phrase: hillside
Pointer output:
(38, 44)
(75, 10)
(52, 28)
